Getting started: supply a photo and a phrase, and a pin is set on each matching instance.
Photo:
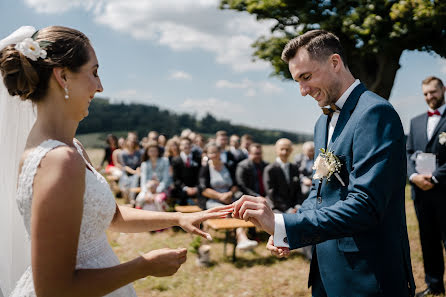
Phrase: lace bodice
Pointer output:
(98, 210)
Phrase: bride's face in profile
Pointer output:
(83, 85)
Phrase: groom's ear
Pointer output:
(336, 62)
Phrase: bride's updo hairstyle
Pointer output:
(29, 79)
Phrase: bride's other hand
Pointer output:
(163, 262)
(190, 222)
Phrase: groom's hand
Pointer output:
(277, 251)
(255, 210)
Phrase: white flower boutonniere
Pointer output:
(442, 138)
(31, 49)
(326, 165)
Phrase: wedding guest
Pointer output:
(355, 214)
(305, 162)
(234, 148)
(162, 143)
(428, 135)
(221, 139)
(116, 156)
(172, 149)
(217, 189)
(112, 144)
(186, 168)
(131, 161)
(198, 146)
(281, 180)
(246, 142)
(155, 167)
(66, 205)
(249, 172)
(152, 136)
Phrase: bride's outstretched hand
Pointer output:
(190, 222)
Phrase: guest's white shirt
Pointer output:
(280, 236)
(184, 157)
(285, 168)
(433, 121)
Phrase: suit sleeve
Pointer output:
(176, 174)
(204, 179)
(271, 185)
(241, 176)
(409, 152)
(378, 171)
(440, 174)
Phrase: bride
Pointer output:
(65, 204)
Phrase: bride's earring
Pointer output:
(66, 93)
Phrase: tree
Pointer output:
(374, 33)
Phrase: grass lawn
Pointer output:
(255, 273)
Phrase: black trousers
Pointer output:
(431, 214)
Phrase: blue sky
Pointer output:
(189, 56)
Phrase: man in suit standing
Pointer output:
(281, 179)
(305, 162)
(354, 215)
(429, 188)
(249, 173)
(185, 169)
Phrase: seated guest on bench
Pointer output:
(154, 167)
(186, 168)
(249, 173)
(281, 180)
(217, 189)
(131, 162)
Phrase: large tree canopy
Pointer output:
(374, 33)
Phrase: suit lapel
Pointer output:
(437, 129)
(346, 111)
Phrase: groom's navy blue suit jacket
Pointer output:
(359, 229)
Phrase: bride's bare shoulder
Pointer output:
(64, 158)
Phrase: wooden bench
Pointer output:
(229, 225)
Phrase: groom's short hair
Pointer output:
(320, 44)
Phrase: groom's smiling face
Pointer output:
(316, 78)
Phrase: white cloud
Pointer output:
(180, 75)
(251, 87)
(177, 24)
(217, 107)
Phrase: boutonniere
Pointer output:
(326, 165)
(442, 138)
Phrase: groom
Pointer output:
(355, 221)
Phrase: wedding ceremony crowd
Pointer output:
(154, 173)
(342, 200)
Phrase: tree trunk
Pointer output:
(377, 72)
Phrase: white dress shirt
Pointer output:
(433, 121)
(280, 236)
(285, 168)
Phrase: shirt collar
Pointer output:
(184, 156)
(341, 101)
(440, 109)
(278, 160)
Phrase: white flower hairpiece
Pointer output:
(22, 38)
(31, 49)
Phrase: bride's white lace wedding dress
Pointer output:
(93, 249)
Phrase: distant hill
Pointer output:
(105, 117)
